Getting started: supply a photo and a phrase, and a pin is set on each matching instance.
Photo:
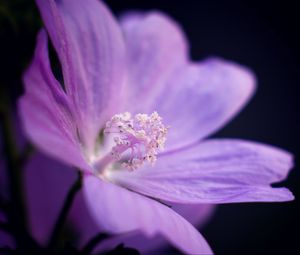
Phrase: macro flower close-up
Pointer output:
(119, 101)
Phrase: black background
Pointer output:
(261, 35)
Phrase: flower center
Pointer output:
(137, 139)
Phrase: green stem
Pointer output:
(53, 243)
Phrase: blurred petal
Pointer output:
(4, 193)
(118, 210)
(47, 183)
(215, 171)
(46, 112)
(6, 240)
(203, 98)
(91, 49)
(156, 47)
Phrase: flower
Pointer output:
(44, 203)
(133, 113)
(43, 212)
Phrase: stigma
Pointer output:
(137, 139)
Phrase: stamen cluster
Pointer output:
(144, 136)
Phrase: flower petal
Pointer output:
(194, 99)
(6, 240)
(45, 110)
(156, 47)
(199, 99)
(4, 187)
(214, 171)
(197, 214)
(80, 218)
(118, 210)
(91, 49)
(46, 188)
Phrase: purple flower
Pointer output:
(43, 212)
(44, 203)
(133, 114)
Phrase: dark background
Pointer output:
(261, 35)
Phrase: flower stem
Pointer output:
(91, 245)
(26, 153)
(54, 240)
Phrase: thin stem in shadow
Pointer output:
(54, 240)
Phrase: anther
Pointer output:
(138, 139)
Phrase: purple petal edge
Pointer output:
(118, 210)
(214, 171)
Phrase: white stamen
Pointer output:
(144, 135)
